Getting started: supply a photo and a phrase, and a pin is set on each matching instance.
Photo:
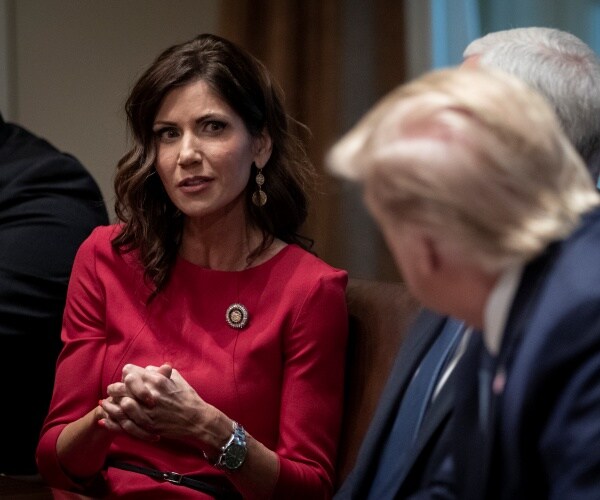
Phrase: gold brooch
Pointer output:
(236, 316)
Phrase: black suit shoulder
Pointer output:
(49, 204)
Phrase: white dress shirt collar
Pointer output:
(498, 306)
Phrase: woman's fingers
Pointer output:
(127, 416)
(165, 370)
(139, 383)
(138, 432)
(113, 410)
(117, 390)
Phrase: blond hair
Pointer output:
(475, 155)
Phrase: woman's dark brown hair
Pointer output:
(151, 223)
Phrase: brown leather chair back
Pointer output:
(379, 314)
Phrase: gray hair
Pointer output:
(562, 68)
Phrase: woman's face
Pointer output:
(204, 152)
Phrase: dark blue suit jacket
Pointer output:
(543, 440)
(49, 204)
(432, 443)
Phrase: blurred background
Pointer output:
(66, 67)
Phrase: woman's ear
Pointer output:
(263, 146)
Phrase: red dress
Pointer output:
(281, 376)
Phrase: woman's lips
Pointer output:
(194, 184)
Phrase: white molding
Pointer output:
(7, 77)
(418, 30)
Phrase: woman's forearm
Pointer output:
(82, 446)
(257, 477)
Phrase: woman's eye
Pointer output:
(166, 133)
(214, 126)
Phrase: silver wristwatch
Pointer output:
(234, 452)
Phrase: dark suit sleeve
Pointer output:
(424, 473)
(46, 211)
(571, 440)
(48, 205)
(441, 484)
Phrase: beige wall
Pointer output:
(66, 67)
(71, 63)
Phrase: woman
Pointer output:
(214, 341)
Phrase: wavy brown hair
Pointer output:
(151, 223)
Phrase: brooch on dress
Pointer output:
(236, 316)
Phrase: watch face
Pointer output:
(234, 456)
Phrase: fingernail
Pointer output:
(100, 401)
(101, 423)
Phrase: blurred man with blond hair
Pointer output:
(492, 218)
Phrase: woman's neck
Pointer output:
(219, 246)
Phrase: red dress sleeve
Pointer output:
(312, 393)
(79, 364)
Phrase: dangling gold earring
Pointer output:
(259, 197)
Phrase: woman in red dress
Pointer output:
(203, 344)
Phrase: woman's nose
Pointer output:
(189, 152)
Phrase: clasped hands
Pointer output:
(150, 403)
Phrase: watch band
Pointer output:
(233, 453)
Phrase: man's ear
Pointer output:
(430, 257)
(263, 146)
